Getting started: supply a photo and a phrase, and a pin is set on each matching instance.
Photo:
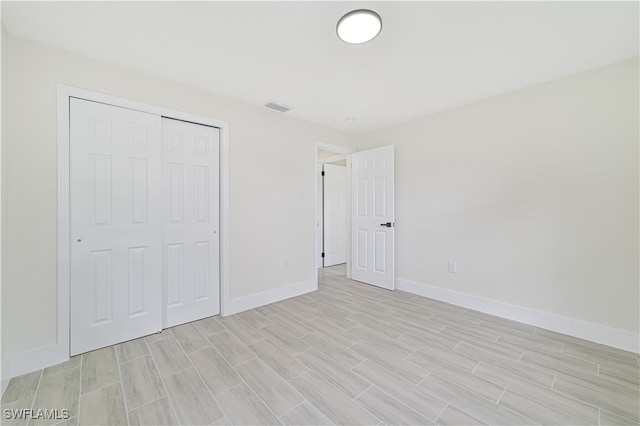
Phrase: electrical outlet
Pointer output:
(452, 267)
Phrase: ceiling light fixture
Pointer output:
(359, 26)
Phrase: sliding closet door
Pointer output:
(116, 228)
(191, 221)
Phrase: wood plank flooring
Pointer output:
(347, 354)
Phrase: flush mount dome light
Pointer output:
(359, 26)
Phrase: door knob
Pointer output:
(388, 224)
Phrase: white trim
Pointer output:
(333, 158)
(597, 333)
(64, 93)
(270, 296)
(224, 219)
(64, 216)
(333, 148)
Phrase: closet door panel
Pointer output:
(191, 221)
(116, 224)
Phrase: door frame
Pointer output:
(341, 153)
(64, 93)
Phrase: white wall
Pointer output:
(272, 159)
(534, 194)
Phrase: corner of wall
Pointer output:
(256, 300)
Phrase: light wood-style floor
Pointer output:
(347, 354)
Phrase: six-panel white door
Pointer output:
(116, 226)
(335, 214)
(191, 219)
(373, 216)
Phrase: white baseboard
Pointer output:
(597, 333)
(264, 298)
(35, 359)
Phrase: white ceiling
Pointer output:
(429, 57)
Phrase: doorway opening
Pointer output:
(370, 214)
(333, 209)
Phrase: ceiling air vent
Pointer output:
(277, 106)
